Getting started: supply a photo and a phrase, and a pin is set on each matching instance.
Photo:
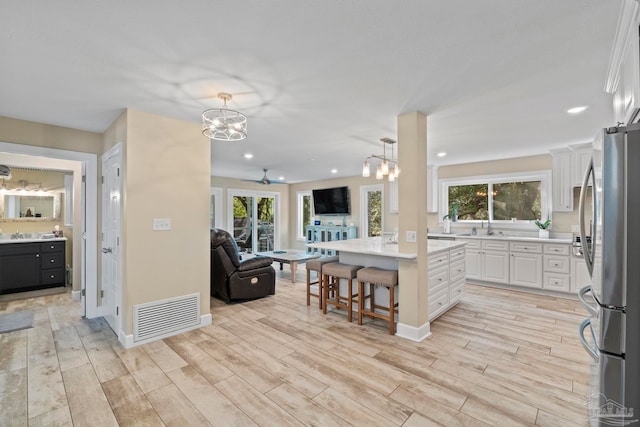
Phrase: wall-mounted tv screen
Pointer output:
(332, 201)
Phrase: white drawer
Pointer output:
(456, 254)
(438, 260)
(438, 279)
(557, 282)
(472, 244)
(438, 303)
(552, 249)
(455, 292)
(534, 248)
(457, 271)
(557, 264)
(495, 245)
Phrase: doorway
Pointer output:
(86, 239)
(253, 219)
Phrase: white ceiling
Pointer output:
(320, 81)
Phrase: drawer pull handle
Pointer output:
(53, 247)
(439, 304)
(53, 276)
(37, 255)
(52, 261)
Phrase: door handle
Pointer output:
(593, 310)
(592, 352)
(106, 250)
(588, 255)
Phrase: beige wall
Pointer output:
(43, 135)
(167, 175)
(561, 221)
(354, 183)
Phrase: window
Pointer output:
(372, 208)
(304, 213)
(508, 198)
(253, 217)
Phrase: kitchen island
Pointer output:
(446, 266)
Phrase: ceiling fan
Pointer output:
(266, 181)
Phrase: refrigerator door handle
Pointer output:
(588, 254)
(592, 352)
(591, 308)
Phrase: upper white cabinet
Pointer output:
(580, 158)
(432, 189)
(562, 191)
(623, 78)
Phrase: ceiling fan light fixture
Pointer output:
(5, 172)
(223, 124)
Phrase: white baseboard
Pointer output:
(412, 333)
(127, 340)
(75, 295)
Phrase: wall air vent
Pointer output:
(162, 317)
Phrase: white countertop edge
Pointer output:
(54, 239)
(507, 238)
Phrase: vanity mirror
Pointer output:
(30, 207)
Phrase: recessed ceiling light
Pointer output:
(577, 110)
(441, 154)
(334, 170)
(281, 178)
(248, 156)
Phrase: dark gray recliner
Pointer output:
(233, 279)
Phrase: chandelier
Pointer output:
(385, 166)
(223, 124)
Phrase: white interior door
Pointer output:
(111, 196)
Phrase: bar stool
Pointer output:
(331, 275)
(377, 277)
(316, 265)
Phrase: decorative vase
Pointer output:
(543, 234)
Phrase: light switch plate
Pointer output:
(411, 236)
(161, 224)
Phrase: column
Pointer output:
(413, 320)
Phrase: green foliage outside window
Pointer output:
(374, 206)
(520, 200)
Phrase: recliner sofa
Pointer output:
(234, 279)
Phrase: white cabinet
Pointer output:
(623, 78)
(432, 189)
(579, 274)
(525, 265)
(557, 268)
(562, 191)
(393, 196)
(446, 279)
(580, 158)
(487, 260)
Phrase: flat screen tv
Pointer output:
(332, 201)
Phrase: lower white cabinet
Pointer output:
(525, 269)
(580, 275)
(446, 278)
(483, 263)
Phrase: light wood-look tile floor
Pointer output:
(498, 358)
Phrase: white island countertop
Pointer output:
(374, 246)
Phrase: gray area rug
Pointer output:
(10, 322)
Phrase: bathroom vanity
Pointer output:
(29, 264)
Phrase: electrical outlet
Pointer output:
(161, 224)
(411, 236)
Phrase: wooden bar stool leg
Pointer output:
(360, 301)
(392, 311)
(336, 280)
(350, 301)
(372, 298)
(325, 294)
(309, 288)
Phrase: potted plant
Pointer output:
(543, 231)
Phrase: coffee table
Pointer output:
(293, 257)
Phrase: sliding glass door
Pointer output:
(254, 219)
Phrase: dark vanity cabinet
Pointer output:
(29, 266)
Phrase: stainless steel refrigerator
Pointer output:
(613, 260)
